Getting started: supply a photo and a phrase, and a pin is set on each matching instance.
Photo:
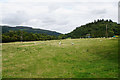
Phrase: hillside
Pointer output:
(28, 29)
(96, 29)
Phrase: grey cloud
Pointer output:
(48, 20)
(53, 6)
(15, 18)
(103, 11)
(63, 23)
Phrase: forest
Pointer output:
(98, 28)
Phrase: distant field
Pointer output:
(87, 58)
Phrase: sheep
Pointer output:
(34, 42)
(72, 43)
(60, 43)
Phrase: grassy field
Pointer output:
(87, 58)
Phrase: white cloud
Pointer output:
(60, 0)
(58, 15)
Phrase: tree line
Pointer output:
(13, 36)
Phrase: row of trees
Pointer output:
(13, 36)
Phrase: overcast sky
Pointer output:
(56, 15)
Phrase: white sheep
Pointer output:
(60, 43)
(34, 42)
(72, 43)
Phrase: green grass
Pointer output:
(87, 58)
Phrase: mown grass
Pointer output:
(87, 58)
